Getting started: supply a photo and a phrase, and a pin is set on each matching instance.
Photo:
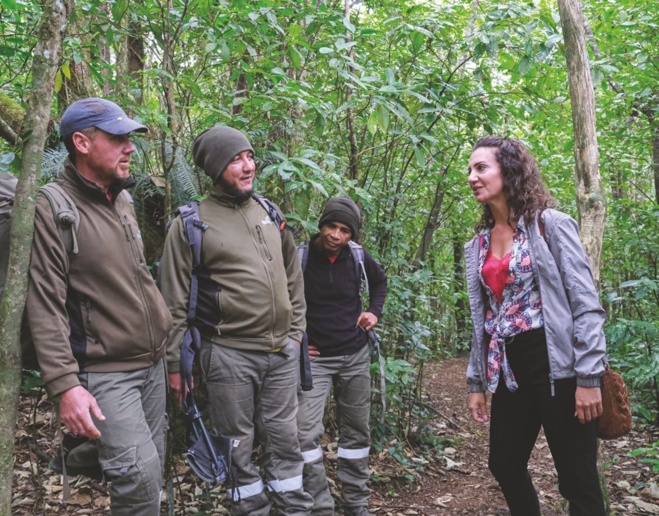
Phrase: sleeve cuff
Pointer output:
(595, 381)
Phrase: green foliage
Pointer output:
(417, 84)
(649, 454)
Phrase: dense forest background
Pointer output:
(381, 100)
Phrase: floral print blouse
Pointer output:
(519, 310)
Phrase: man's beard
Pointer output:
(234, 191)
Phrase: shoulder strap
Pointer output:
(358, 257)
(303, 253)
(194, 227)
(274, 213)
(65, 213)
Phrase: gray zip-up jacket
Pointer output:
(570, 305)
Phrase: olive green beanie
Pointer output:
(342, 209)
(214, 149)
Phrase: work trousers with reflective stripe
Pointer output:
(253, 395)
(351, 379)
(131, 448)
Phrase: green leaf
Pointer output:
(326, 50)
(296, 58)
(58, 81)
(382, 117)
(372, 123)
(66, 70)
(525, 64)
(14, 5)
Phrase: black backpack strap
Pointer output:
(357, 252)
(303, 254)
(274, 213)
(306, 379)
(194, 228)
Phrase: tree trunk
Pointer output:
(655, 160)
(44, 67)
(136, 57)
(458, 277)
(432, 222)
(353, 156)
(591, 202)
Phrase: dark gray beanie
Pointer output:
(342, 209)
(216, 147)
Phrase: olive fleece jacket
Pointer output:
(251, 292)
(98, 310)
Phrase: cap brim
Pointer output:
(118, 127)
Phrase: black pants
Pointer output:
(516, 421)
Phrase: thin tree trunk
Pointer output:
(458, 279)
(432, 223)
(44, 67)
(353, 156)
(590, 195)
(655, 159)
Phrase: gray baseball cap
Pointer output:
(100, 113)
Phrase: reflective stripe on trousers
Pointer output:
(242, 492)
(286, 485)
(360, 453)
(312, 455)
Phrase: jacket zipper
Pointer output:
(261, 239)
(130, 237)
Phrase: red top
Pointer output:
(495, 273)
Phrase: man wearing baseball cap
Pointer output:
(98, 322)
(250, 314)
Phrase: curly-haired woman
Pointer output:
(537, 342)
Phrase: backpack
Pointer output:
(7, 192)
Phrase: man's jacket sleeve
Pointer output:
(176, 266)
(46, 303)
(377, 285)
(295, 286)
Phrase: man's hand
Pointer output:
(478, 407)
(367, 321)
(313, 352)
(588, 403)
(77, 406)
(175, 387)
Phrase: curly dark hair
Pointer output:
(523, 187)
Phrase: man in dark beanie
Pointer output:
(337, 324)
(251, 319)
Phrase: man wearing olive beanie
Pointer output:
(340, 356)
(250, 313)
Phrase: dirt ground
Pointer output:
(454, 482)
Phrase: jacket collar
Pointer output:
(87, 187)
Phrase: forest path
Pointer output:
(461, 484)
(456, 483)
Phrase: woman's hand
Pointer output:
(588, 403)
(478, 407)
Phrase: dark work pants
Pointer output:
(516, 421)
